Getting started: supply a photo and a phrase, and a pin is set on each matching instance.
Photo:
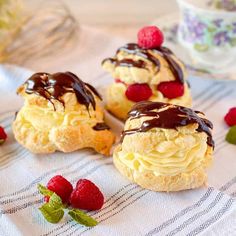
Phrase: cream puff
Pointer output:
(165, 147)
(63, 113)
(145, 73)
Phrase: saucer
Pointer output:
(169, 25)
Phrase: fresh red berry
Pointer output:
(230, 117)
(3, 135)
(138, 92)
(86, 196)
(171, 89)
(150, 37)
(46, 198)
(61, 186)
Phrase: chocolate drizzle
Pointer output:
(167, 116)
(54, 86)
(174, 67)
(133, 48)
(128, 63)
(16, 113)
(101, 126)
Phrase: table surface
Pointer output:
(112, 17)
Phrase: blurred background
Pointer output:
(31, 29)
(121, 17)
(100, 12)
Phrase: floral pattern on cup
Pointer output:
(228, 5)
(203, 33)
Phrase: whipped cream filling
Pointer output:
(42, 118)
(181, 155)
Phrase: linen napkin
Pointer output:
(128, 209)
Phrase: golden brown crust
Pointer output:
(69, 139)
(65, 139)
(148, 180)
(41, 129)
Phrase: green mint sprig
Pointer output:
(44, 191)
(82, 218)
(231, 135)
(53, 210)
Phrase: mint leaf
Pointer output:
(44, 191)
(55, 202)
(53, 210)
(50, 214)
(231, 135)
(82, 218)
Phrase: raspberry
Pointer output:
(46, 198)
(230, 117)
(138, 92)
(3, 135)
(171, 89)
(86, 196)
(150, 37)
(61, 187)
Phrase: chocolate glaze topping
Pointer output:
(169, 118)
(101, 126)
(16, 113)
(174, 67)
(128, 62)
(54, 86)
(133, 48)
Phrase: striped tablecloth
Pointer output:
(129, 209)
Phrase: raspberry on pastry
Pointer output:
(62, 113)
(150, 37)
(165, 147)
(149, 63)
(138, 92)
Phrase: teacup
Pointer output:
(208, 33)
